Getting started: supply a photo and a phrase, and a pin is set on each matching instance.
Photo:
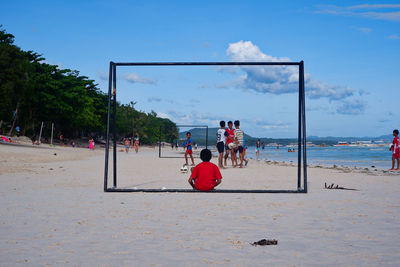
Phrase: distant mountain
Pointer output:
(199, 137)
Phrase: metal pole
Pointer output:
(115, 124)
(299, 134)
(51, 138)
(108, 128)
(304, 126)
(159, 144)
(40, 134)
(207, 137)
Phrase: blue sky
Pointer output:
(351, 51)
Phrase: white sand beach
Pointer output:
(54, 212)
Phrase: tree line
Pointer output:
(33, 91)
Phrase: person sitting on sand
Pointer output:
(188, 145)
(395, 149)
(206, 175)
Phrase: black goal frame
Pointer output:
(112, 93)
(180, 125)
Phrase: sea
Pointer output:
(347, 156)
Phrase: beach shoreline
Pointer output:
(54, 211)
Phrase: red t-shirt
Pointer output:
(205, 174)
(231, 135)
(396, 149)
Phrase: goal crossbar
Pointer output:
(112, 108)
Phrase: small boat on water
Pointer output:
(342, 143)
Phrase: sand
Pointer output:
(54, 212)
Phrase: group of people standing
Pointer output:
(128, 143)
(231, 140)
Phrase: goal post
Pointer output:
(112, 115)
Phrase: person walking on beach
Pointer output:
(127, 145)
(221, 138)
(188, 145)
(229, 144)
(395, 149)
(91, 143)
(61, 137)
(239, 143)
(206, 175)
(258, 146)
(136, 145)
(244, 152)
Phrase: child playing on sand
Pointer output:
(188, 145)
(127, 144)
(395, 149)
(91, 144)
(206, 175)
(221, 138)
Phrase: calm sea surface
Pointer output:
(380, 157)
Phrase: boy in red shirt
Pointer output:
(229, 139)
(206, 175)
(396, 150)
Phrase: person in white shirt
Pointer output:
(221, 138)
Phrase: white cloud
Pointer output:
(351, 107)
(103, 76)
(363, 29)
(375, 6)
(130, 77)
(136, 78)
(193, 117)
(163, 115)
(154, 99)
(373, 11)
(394, 37)
(278, 79)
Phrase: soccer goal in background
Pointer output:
(112, 110)
(175, 148)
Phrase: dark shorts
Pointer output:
(240, 148)
(220, 147)
(227, 147)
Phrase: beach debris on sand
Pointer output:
(332, 186)
(265, 242)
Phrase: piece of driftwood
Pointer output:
(265, 242)
(332, 186)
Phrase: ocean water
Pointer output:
(380, 157)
